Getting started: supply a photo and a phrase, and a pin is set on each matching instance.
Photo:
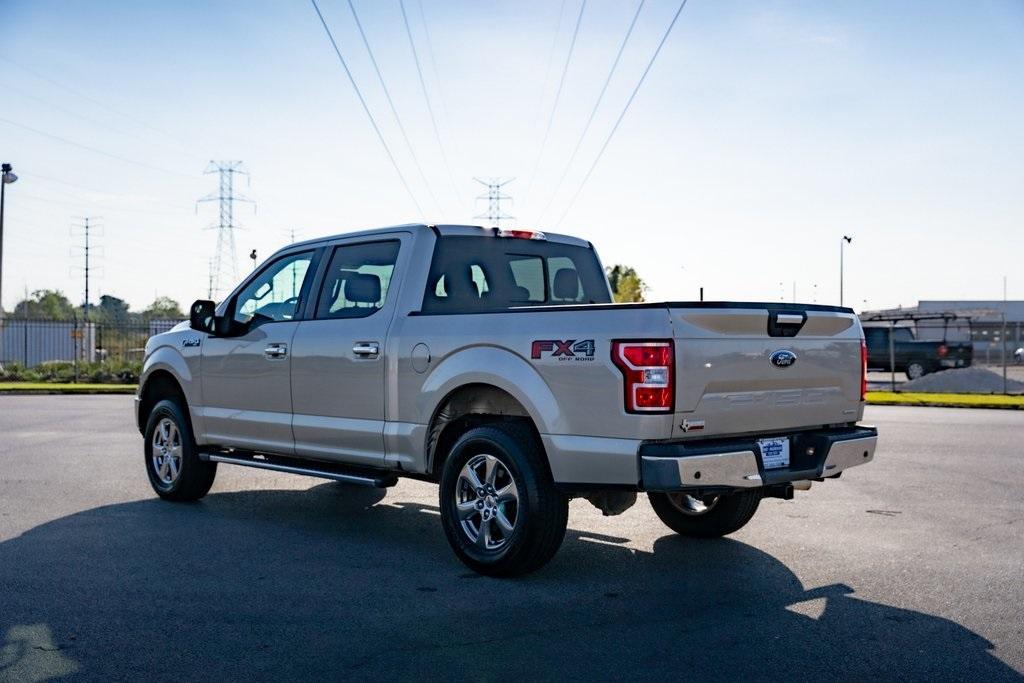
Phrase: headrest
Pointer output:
(567, 284)
(362, 288)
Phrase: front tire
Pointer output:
(711, 517)
(172, 459)
(500, 509)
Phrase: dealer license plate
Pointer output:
(774, 452)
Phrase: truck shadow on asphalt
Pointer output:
(337, 582)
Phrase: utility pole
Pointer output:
(209, 288)
(494, 215)
(225, 263)
(87, 250)
(87, 229)
(842, 244)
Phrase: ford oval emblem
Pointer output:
(782, 358)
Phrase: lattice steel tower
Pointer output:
(225, 261)
(494, 197)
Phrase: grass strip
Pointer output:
(888, 398)
(64, 388)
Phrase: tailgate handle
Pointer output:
(785, 323)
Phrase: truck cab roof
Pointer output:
(445, 231)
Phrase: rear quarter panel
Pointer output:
(565, 395)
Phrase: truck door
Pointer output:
(338, 362)
(246, 378)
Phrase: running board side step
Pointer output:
(359, 477)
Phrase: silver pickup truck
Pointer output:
(493, 363)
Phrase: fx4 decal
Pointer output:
(570, 349)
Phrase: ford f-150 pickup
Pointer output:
(494, 363)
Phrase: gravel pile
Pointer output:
(963, 381)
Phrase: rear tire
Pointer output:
(728, 513)
(171, 456)
(500, 509)
(916, 369)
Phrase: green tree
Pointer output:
(627, 287)
(163, 307)
(45, 304)
(110, 310)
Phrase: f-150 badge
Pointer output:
(569, 349)
(190, 341)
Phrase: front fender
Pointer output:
(499, 368)
(167, 358)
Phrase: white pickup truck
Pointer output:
(494, 363)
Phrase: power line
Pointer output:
(362, 101)
(426, 96)
(391, 104)
(593, 112)
(88, 119)
(440, 85)
(558, 95)
(93, 149)
(551, 60)
(99, 103)
(623, 114)
(38, 176)
(494, 215)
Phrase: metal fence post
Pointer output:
(1002, 343)
(892, 356)
(77, 345)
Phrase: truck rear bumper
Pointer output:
(737, 463)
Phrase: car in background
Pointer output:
(913, 356)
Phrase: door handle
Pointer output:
(367, 349)
(274, 351)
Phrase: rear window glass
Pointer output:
(493, 273)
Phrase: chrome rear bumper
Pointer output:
(737, 464)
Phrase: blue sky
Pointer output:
(763, 133)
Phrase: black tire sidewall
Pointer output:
(730, 513)
(189, 460)
(924, 370)
(529, 524)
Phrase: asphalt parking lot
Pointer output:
(911, 567)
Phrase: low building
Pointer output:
(979, 321)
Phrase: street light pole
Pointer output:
(6, 178)
(842, 244)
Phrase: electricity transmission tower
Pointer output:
(225, 262)
(494, 197)
(87, 250)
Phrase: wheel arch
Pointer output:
(466, 407)
(158, 385)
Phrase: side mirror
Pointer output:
(202, 316)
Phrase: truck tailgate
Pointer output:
(764, 368)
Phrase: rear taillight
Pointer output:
(943, 350)
(863, 369)
(648, 374)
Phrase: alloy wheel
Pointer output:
(487, 502)
(167, 452)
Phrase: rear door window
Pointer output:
(494, 273)
(357, 280)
